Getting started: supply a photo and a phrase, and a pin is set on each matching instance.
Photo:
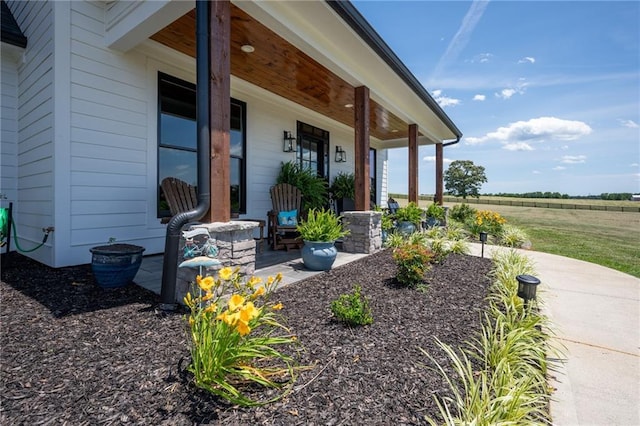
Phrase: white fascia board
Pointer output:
(317, 30)
(141, 21)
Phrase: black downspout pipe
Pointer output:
(453, 142)
(172, 240)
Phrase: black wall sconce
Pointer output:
(483, 239)
(527, 287)
(289, 142)
(341, 155)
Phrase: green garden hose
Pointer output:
(15, 238)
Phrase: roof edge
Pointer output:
(11, 32)
(348, 12)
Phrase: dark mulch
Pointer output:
(75, 354)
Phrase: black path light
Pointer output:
(527, 286)
(483, 239)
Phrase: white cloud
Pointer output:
(444, 101)
(517, 146)
(506, 93)
(629, 123)
(573, 159)
(634, 165)
(536, 172)
(526, 59)
(432, 159)
(558, 168)
(479, 97)
(535, 129)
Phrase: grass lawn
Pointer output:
(610, 239)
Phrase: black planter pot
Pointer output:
(115, 265)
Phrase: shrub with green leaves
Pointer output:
(412, 261)
(500, 378)
(352, 308)
(512, 236)
(462, 212)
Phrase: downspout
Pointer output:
(172, 240)
(453, 142)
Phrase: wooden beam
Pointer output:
(413, 163)
(361, 152)
(219, 96)
(439, 181)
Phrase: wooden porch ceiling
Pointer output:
(279, 67)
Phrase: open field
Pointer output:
(608, 238)
(570, 204)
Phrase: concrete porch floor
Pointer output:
(268, 263)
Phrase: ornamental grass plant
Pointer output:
(321, 225)
(501, 376)
(235, 341)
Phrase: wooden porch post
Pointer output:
(413, 163)
(361, 152)
(439, 184)
(219, 98)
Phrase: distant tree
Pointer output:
(463, 178)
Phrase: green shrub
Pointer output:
(512, 236)
(462, 212)
(344, 186)
(412, 261)
(352, 308)
(409, 213)
(321, 225)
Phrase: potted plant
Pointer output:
(320, 230)
(115, 265)
(409, 218)
(343, 190)
(313, 187)
(435, 215)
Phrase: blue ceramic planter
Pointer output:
(115, 265)
(318, 255)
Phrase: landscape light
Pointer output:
(483, 239)
(527, 286)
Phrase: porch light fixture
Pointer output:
(483, 239)
(289, 142)
(247, 48)
(527, 286)
(341, 155)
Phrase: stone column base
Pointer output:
(235, 245)
(366, 232)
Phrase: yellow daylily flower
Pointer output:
(243, 328)
(211, 308)
(279, 276)
(207, 296)
(235, 302)
(259, 292)
(270, 280)
(277, 306)
(205, 283)
(248, 312)
(253, 281)
(225, 273)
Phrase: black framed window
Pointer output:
(177, 140)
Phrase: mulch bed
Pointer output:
(73, 353)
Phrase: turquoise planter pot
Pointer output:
(318, 255)
(406, 228)
(115, 265)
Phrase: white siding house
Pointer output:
(79, 121)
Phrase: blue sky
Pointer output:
(546, 93)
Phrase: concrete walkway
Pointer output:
(595, 312)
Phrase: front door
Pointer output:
(313, 149)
